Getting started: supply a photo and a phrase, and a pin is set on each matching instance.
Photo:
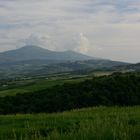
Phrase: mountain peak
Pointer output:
(30, 47)
(33, 49)
(33, 52)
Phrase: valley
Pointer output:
(70, 98)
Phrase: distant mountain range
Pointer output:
(130, 67)
(36, 60)
(134, 67)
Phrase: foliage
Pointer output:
(117, 89)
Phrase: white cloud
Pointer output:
(108, 28)
(83, 44)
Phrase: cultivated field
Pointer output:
(14, 87)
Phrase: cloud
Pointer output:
(102, 28)
(35, 39)
(83, 44)
(39, 40)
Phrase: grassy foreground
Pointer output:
(98, 123)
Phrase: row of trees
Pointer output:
(116, 89)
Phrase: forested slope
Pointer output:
(117, 89)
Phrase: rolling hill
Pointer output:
(135, 67)
(130, 67)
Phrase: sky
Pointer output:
(101, 28)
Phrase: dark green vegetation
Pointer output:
(117, 89)
(99, 123)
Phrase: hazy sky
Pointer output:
(100, 28)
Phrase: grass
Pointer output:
(26, 86)
(39, 83)
(98, 123)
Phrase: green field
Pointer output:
(32, 85)
(98, 123)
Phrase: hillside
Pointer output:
(129, 67)
(117, 89)
(133, 67)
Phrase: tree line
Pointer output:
(116, 89)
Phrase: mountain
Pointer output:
(34, 60)
(37, 53)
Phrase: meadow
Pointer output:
(35, 84)
(97, 123)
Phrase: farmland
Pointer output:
(13, 87)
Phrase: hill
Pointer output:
(130, 67)
(135, 66)
(117, 89)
